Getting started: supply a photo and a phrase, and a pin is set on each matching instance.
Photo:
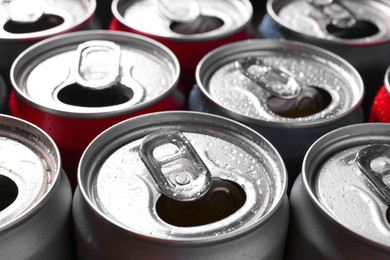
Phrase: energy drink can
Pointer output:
(340, 202)
(180, 185)
(291, 93)
(356, 30)
(380, 108)
(36, 197)
(189, 28)
(74, 86)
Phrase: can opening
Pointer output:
(201, 24)
(313, 101)
(45, 22)
(222, 199)
(361, 29)
(8, 192)
(77, 95)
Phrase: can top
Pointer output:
(192, 20)
(245, 79)
(346, 173)
(29, 169)
(95, 74)
(343, 21)
(229, 151)
(39, 19)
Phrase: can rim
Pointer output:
(56, 180)
(37, 36)
(40, 48)
(328, 144)
(285, 44)
(94, 144)
(187, 38)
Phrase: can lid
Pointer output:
(180, 142)
(29, 169)
(279, 83)
(37, 19)
(192, 21)
(344, 21)
(95, 74)
(346, 173)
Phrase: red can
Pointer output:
(190, 30)
(380, 109)
(76, 85)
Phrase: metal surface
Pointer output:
(329, 198)
(35, 216)
(230, 151)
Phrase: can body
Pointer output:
(380, 106)
(235, 17)
(56, 17)
(43, 229)
(258, 238)
(367, 53)
(291, 136)
(74, 122)
(317, 230)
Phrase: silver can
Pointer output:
(356, 30)
(25, 22)
(291, 93)
(180, 185)
(339, 204)
(36, 198)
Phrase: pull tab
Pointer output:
(175, 166)
(278, 82)
(337, 12)
(98, 64)
(23, 11)
(374, 162)
(178, 11)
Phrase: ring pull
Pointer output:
(338, 13)
(178, 11)
(98, 64)
(374, 162)
(175, 166)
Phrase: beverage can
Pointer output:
(339, 204)
(290, 92)
(181, 185)
(76, 85)
(36, 197)
(380, 106)
(190, 29)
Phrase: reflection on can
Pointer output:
(35, 195)
(76, 85)
(356, 30)
(340, 201)
(180, 185)
(25, 22)
(190, 29)
(292, 93)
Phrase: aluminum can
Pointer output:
(139, 186)
(380, 108)
(25, 22)
(356, 30)
(339, 204)
(36, 197)
(254, 82)
(76, 85)
(190, 29)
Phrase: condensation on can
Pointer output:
(336, 211)
(36, 197)
(115, 205)
(214, 24)
(366, 45)
(25, 22)
(76, 85)
(380, 107)
(223, 89)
